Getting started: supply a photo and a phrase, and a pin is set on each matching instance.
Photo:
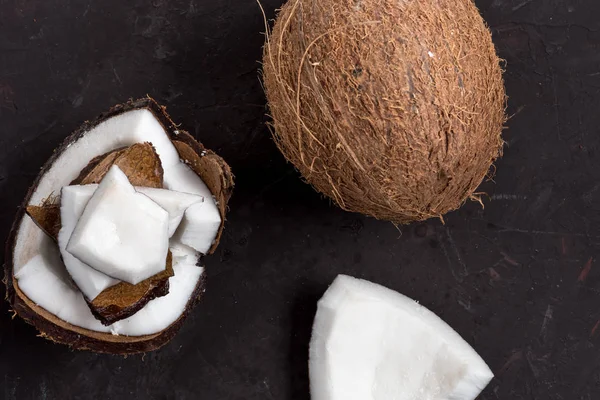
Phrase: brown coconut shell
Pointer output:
(211, 168)
(47, 218)
(391, 108)
(139, 162)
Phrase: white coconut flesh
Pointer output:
(201, 221)
(175, 203)
(43, 282)
(89, 280)
(121, 233)
(371, 343)
(42, 276)
(73, 201)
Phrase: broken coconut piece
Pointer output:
(47, 217)
(175, 203)
(64, 309)
(200, 224)
(124, 299)
(59, 311)
(371, 343)
(139, 162)
(90, 281)
(121, 233)
(150, 173)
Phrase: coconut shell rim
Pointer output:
(59, 331)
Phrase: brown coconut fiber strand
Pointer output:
(392, 108)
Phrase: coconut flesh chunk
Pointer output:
(121, 233)
(89, 280)
(34, 265)
(201, 221)
(371, 343)
(175, 203)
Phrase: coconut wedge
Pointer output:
(38, 288)
(371, 343)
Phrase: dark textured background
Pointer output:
(519, 280)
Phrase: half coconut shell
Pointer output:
(211, 168)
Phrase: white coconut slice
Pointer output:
(371, 343)
(176, 203)
(121, 233)
(89, 280)
(201, 221)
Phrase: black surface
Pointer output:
(510, 278)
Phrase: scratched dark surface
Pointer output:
(520, 279)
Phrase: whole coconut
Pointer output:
(393, 108)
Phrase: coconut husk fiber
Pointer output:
(391, 108)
